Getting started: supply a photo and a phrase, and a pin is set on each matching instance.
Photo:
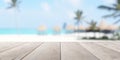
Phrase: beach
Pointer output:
(36, 38)
(44, 38)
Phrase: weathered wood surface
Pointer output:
(4, 46)
(101, 52)
(18, 52)
(47, 51)
(74, 51)
(60, 51)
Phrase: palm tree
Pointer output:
(115, 8)
(14, 5)
(79, 17)
(93, 27)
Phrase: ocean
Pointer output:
(28, 31)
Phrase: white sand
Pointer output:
(36, 38)
(44, 38)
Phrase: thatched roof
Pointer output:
(70, 27)
(42, 28)
(112, 27)
(57, 29)
(82, 27)
(104, 26)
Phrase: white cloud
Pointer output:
(7, 1)
(76, 3)
(45, 6)
(109, 1)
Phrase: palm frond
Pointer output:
(14, 4)
(118, 1)
(117, 21)
(111, 15)
(106, 7)
(114, 5)
(75, 18)
(117, 16)
(78, 15)
(93, 25)
(14, 1)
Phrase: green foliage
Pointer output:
(14, 4)
(116, 36)
(115, 8)
(94, 38)
(104, 37)
(79, 16)
(93, 25)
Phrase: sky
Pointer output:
(33, 13)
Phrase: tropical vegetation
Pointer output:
(115, 8)
(78, 18)
(92, 26)
(14, 4)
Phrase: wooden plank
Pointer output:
(101, 52)
(47, 51)
(4, 46)
(110, 46)
(116, 43)
(74, 51)
(19, 52)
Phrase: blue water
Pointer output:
(19, 31)
(28, 31)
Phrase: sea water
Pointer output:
(27, 31)
(20, 31)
